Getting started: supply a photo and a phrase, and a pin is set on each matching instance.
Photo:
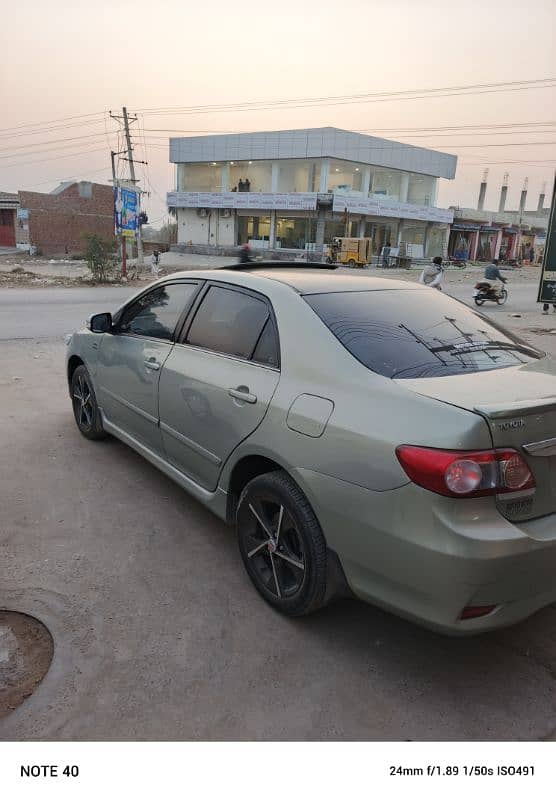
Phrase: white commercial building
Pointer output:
(297, 189)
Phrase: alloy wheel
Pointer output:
(274, 547)
(83, 403)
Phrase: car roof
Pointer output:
(304, 280)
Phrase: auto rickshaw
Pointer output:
(353, 252)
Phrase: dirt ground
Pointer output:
(26, 650)
(18, 270)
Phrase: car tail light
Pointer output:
(466, 473)
(472, 612)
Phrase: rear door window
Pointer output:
(418, 333)
(266, 351)
(228, 321)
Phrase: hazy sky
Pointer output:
(63, 58)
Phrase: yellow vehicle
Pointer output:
(354, 252)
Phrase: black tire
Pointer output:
(289, 571)
(351, 263)
(502, 297)
(87, 414)
(479, 301)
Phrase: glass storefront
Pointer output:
(291, 232)
(200, 177)
(250, 176)
(420, 190)
(345, 176)
(295, 232)
(435, 242)
(386, 182)
(299, 175)
(255, 230)
(303, 175)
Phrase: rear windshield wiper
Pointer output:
(470, 347)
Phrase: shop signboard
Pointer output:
(380, 207)
(306, 201)
(126, 211)
(547, 287)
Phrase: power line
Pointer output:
(245, 105)
(52, 141)
(53, 158)
(41, 131)
(49, 122)
(366, 130)
(420, 93)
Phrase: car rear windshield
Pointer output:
(418, 334)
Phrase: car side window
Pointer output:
(156, 313)
(266, 351)
(228, 321)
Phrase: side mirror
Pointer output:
(100, 323)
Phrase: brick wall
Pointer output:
(59, 222)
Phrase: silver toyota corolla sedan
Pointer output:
(363, 435)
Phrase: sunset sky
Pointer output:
(79, 59)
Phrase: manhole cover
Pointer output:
(26, 650)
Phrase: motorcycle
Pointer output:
(486, 291)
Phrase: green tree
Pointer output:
(100, 255)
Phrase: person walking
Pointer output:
(433, 274)
(386, 255)
(154, 263)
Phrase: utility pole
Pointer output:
(122, 239)
(126, 119)
(140, 259)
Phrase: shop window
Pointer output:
(386, 182)
(421, 189)
(200, 177)
(295, 232)
(255, 230)
(299, 175)
(345, 176)
(250, 176)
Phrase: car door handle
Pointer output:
(152, 364)
(242, 393)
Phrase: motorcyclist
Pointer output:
(432, 274)
(492, 272)
(245, 254)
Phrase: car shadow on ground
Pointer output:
(507, 676)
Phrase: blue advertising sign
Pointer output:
(126, 211)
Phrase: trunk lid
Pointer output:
(519, 407)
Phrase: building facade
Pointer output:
(9, 203)
(479, 235)
(55, 224)
(296, 190)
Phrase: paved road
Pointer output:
(52, 312)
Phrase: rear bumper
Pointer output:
(427, 557)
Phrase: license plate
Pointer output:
(475, 293)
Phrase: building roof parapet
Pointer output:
(313, 143)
